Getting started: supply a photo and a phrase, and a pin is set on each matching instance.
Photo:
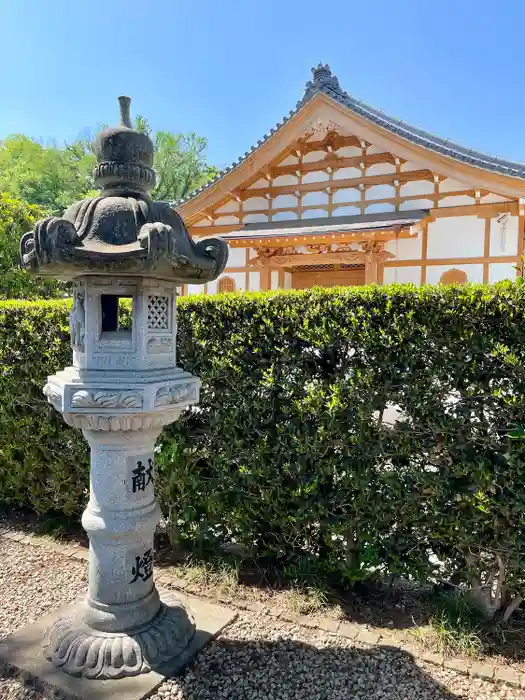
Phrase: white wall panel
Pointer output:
(316, 176)
(410, 274)
(410, 204)
(228, 207)
(346, 173)
(284, 216)
(504, 235)
(315, 198)
(456, 237)
(255, 203)
(349, 152)
(314, 156)
(255, 282)
(275, 279)
(451, 185)
(346, 211)
(237, 257)
(379, 208)
(254, 218)
(459, 200)
(474, 272)
(380, 192)
(417, 187)
(405, 248)
(501, 271)
(381, 169)
(283, 180)
(346, 195)
(284, 200)
(222, 220)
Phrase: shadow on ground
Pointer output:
(281, 670)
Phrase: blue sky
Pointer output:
(229, 69)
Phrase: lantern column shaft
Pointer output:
(120, 520)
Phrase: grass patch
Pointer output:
(454, 628)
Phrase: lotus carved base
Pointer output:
(79, 650)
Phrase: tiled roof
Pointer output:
(324, 82)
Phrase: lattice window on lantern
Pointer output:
(158, 313)
(226, 284)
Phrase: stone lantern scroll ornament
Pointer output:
(125, 255)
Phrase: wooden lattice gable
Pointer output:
(328, 160)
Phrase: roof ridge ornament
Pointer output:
(323, 80)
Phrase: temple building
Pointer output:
(339, 193)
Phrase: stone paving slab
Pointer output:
(23, 651)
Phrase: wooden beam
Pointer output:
(449, 261)
(334, 161)
(481, 210)
(298, 259)
(354, 182)
(424, 250)
(521, 237)
(486, 250)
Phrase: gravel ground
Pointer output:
(255, 658)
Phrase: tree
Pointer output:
(17, 217)
(180, 162)
(46, 176)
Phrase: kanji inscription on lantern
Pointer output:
(142, 476)
(143, 567)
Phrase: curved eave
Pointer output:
(502, 176)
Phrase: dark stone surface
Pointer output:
(122, 230)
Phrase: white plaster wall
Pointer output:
(451, 185)
(284, 200)
(347, 211)
(316, 176)
(456, 237)
(203, 223)
(409, 166)
(405, 248)
(459, 200)
(347, 195)
(255, 281)
(489, 198)
(236, 258)
(374, 149)
(379, 208)
(381, 169)
(504, 235)
(313, 156)
(380, 192)
(275, 279)
(255, 203)
(238, 277)
(254, 218)
(222, 220)
(474, 272)
(228, 207)
(346, 173)
(212, 286)
(287, 280)
(410, 204)
(410, 189)
(262, 182)
(195, 289)
(349, 152)
(285, 180)
(315, 198)
(289, 160)
(314, 213)
(284, 216)
(402, 274)
(501, 271)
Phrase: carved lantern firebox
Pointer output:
(125, 255)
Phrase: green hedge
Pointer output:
(288, 456)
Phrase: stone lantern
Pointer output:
(125, 256)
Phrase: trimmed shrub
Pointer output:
(342, 432)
